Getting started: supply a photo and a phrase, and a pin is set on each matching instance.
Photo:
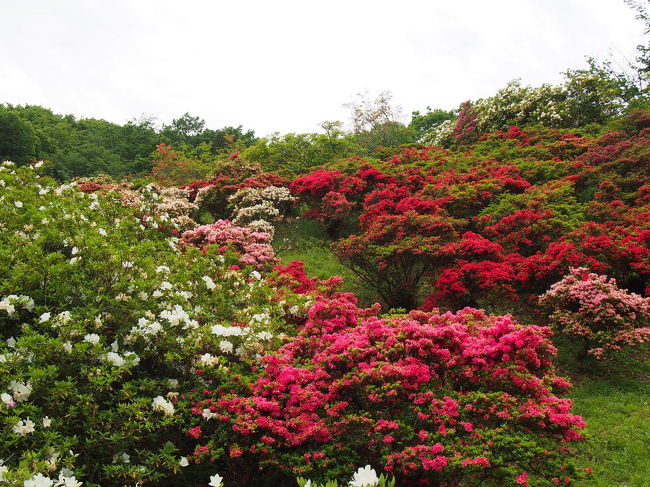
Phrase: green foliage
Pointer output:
(85, 147)
(594, 95)
(557, 196)
(178, 167)
(292, 154)
(423, 123)
(18, 140)
(188, 133)
(376, 123)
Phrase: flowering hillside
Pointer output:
(137, 351)
(493, 223)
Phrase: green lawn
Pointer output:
(616, 407)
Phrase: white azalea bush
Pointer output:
(105, 328)
(170, 205)
(514, 104)
(258, 208)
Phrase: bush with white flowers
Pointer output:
(106, 326)
(257, 208)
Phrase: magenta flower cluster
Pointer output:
(254, 248)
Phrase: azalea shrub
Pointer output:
(432, 399)
(105, 325)
(592, 310)
(491, 224)
(260, 208)
(170, 203)
(253, 248)
(212, 196)
(334, 195)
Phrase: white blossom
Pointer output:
(92, 338)
(39, 480)
(67, 481)
(64, 317)
(265, 335)
(24, 427)
(364, 477)
(160, 404)
(115, 358)
(207, 414)
(21, 390)
(7, 399)
(208, 360)
(209, 283)
(227, 330)
(215, 480)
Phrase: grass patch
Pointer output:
(615, 403)
(302, 240)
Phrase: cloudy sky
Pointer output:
(289, 65)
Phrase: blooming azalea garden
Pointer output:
(141, 347)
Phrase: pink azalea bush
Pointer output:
(434, 399)
(595, 310)
(253, 247)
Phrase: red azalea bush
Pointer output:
(435, 399)
(591, 309)
(253, 248)
(333, 195)
(396, 252)
(294, 277)
(546, 200)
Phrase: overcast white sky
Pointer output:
(288, 65)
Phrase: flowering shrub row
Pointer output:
(503, 220)
(129, 355)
